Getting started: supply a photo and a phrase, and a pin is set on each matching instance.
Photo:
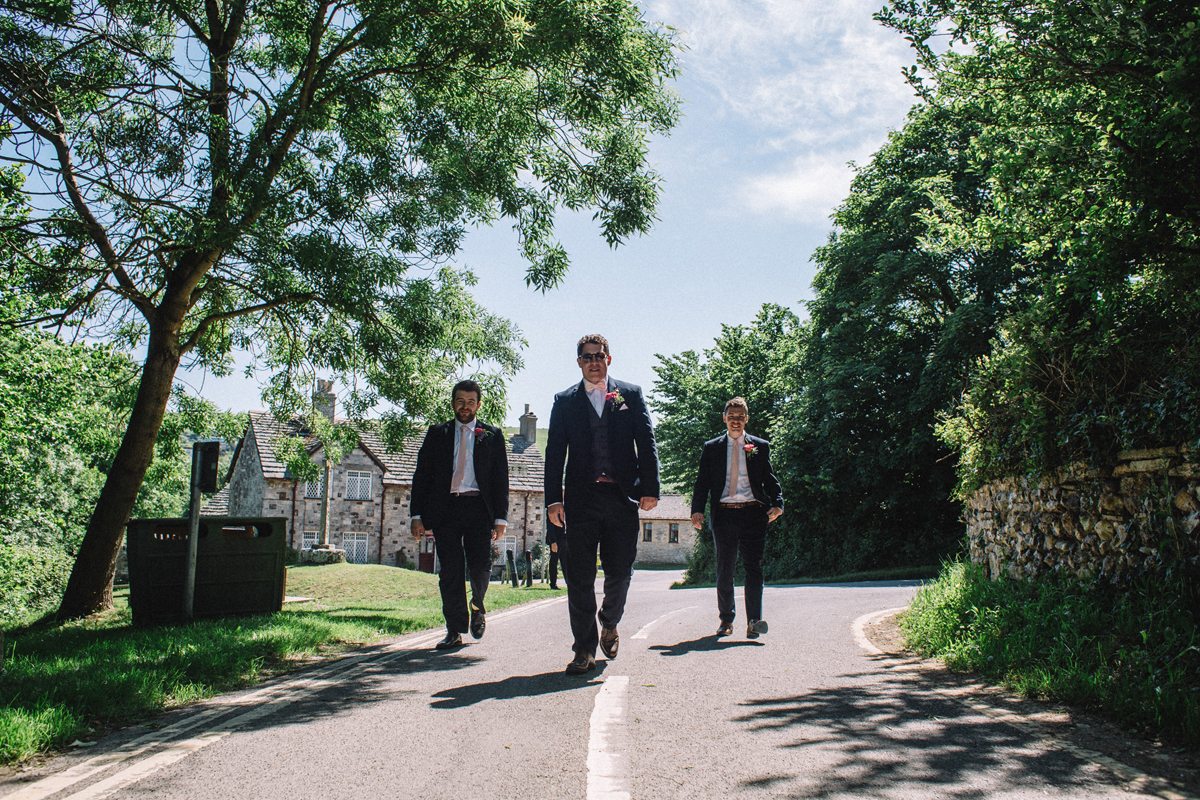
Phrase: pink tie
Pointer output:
(734, 468)
(460, 464)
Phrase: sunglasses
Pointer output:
(588, 358)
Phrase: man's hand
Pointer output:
(498, 531)
(554, 547)
(647, 503)
(774, 514)
(697, 521)
(418, 529)
(555, 514)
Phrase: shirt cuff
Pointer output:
(503, 522)
(414, 516)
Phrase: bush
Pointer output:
(1132, 652)
(32, 580)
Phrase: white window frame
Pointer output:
(307, 539)
(673, 533)
(356, 482)
(312, 489)
(356, 546)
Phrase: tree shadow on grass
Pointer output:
(899, 734)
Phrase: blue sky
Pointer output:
(778, 97)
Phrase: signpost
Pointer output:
(205, 456)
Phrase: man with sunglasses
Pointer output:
(601, 437)
(735, 478)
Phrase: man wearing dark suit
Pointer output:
(460, 493)
(735, 478)
(556, 540)
(601, 435)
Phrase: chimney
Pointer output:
(529, 425)
(324, 400)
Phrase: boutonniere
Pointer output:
(751, 449)
(481, 433)
(614, 398)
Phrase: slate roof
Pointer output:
(525, 465)
(217, 505)
(671, 507)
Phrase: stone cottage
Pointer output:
(666, 535)
(369, 489)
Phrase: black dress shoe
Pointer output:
(582, 664)
(754, 627)
(725, 629)
(478, 623)
(609, 642)
(452, 640)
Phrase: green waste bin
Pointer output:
(239, 567)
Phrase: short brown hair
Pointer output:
(467, 386)
(737, 402)
(592, 338)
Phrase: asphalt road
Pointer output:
(808, 710)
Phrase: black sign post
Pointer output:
(205, 456)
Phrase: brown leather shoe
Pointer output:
(725, 629)
(582, 664)
(609, 642)
(754, 627)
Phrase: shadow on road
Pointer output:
(705, 644)
(897, 729)
(516, 686)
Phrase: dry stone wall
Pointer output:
(1140, 515)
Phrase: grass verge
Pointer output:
(73, 681)
(1132, 654)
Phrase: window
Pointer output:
(647, 531)
(308, 539)
(358, 486)
(312, 490)
(673, 536)
(355, 545)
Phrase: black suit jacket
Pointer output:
(435, 470)
(630, 443)
(713, 473)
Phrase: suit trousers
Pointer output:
(737, 529)
(601, 519)
(467, 531)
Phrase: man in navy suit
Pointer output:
(601, 435)
(735, 478)
(460, 493)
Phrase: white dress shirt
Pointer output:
(742, 492)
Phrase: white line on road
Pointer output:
(262, 702)
(646, 628)
(862, 622)
(607, 770)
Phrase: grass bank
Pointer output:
(1132, 654)
(73, 681)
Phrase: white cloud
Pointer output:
(803, 85)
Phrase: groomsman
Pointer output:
(460, 493)
(735, 478)
(601, 435)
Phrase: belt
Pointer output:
(747, 504)
(604, 479)
(475, 493)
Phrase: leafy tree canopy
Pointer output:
(290, 178)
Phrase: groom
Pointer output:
(600, 432)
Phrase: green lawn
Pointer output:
(73, 681)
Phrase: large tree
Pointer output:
(290, 177)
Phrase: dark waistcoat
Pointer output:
(601, 457)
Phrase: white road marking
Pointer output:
(607, 768)
(862, 622)
(263, 700)
(646, 628)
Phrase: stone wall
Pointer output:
(660, 549)
(1139, 515)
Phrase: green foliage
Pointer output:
(32, 578)
(1132, 652)
(1087, 141)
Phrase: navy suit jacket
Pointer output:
(714, 468)
(630, 443)
(435, 470)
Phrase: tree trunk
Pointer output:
(89, 588)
